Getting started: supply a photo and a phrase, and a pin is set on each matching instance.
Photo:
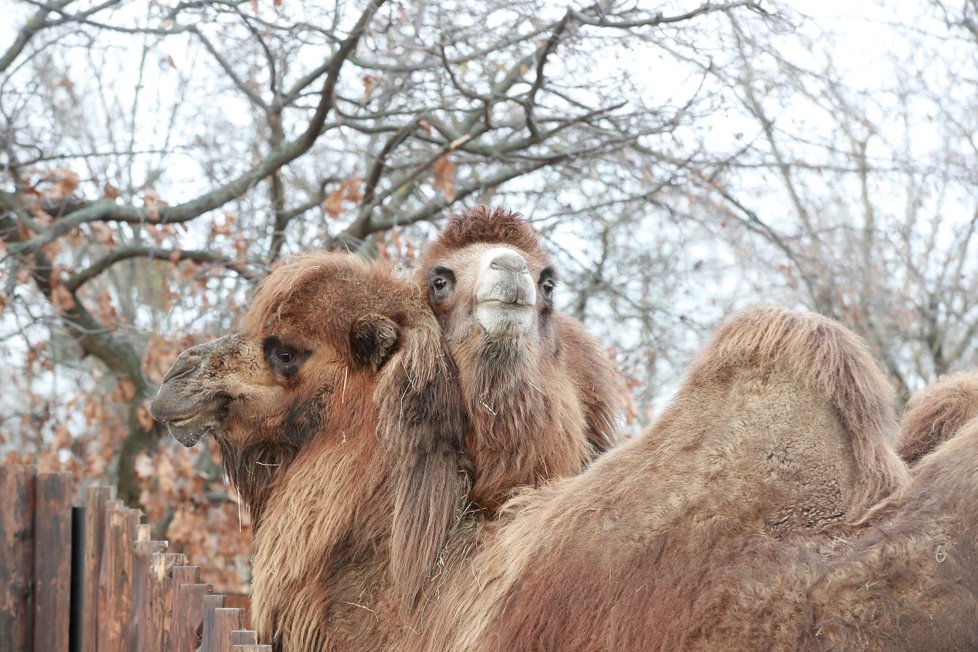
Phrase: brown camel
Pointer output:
(543, 397)
(935, 414)
(738, 521)
(336, 411)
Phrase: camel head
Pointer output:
(312, 329)
(488, 276)
(336, 400)
(542, 395)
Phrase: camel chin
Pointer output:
(188, 432)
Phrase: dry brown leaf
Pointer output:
(351, 188)
(102, 233)
(127, 389)
(444, 172)
(369, 83)
(145, 418)
(109, 191)
(334, 202)
(151, 201)
(67, 183)
(62, 299)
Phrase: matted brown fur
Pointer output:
(935, 414)
(371, 411)
(540, 406)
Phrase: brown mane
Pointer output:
(935, 414)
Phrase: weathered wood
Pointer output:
(251, 648)
(52, 561)
(115, 577)
(96, 499)
(208, 635)
(146, 597)
(181, 574)
(241, 601)
(226, 621)
(188, 616)
(17, 493)
(153, 632)
(244, 637)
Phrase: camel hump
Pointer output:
(935, 414)
(796, 403)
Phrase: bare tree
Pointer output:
(158, 159)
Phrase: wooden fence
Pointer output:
(88, 578)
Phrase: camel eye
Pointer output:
(285, 356)
(441, 282)
(282, 358)
(548, 283)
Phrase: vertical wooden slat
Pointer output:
(209, 630)
(244, 637)
(188, 614)
(52, 561)
(17, 487)
(152, 632)
(226, 620)
(115, 578)
(96, 499)
(181, 574)
(145, 587)
(241, 601)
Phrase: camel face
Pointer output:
(508, 293)
(310, 331)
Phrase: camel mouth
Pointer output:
(505, 318)
(189, 424)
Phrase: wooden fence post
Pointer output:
(96, 500)
(208, 632)
(188, 615)
(17, 485)
(146, 595)
(52, 561)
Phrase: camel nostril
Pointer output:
(509, 261)
(184, 366)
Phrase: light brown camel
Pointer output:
(935, 414)
(739, 520)
(543, 396)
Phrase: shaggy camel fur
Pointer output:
(935, 414)
(542, 394)
(739, 520)
(336, 411)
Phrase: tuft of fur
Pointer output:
(483, 224)
(935, 414)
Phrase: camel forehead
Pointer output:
(321, 296)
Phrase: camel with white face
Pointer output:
(543, 397)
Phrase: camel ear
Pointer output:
(373, 338)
